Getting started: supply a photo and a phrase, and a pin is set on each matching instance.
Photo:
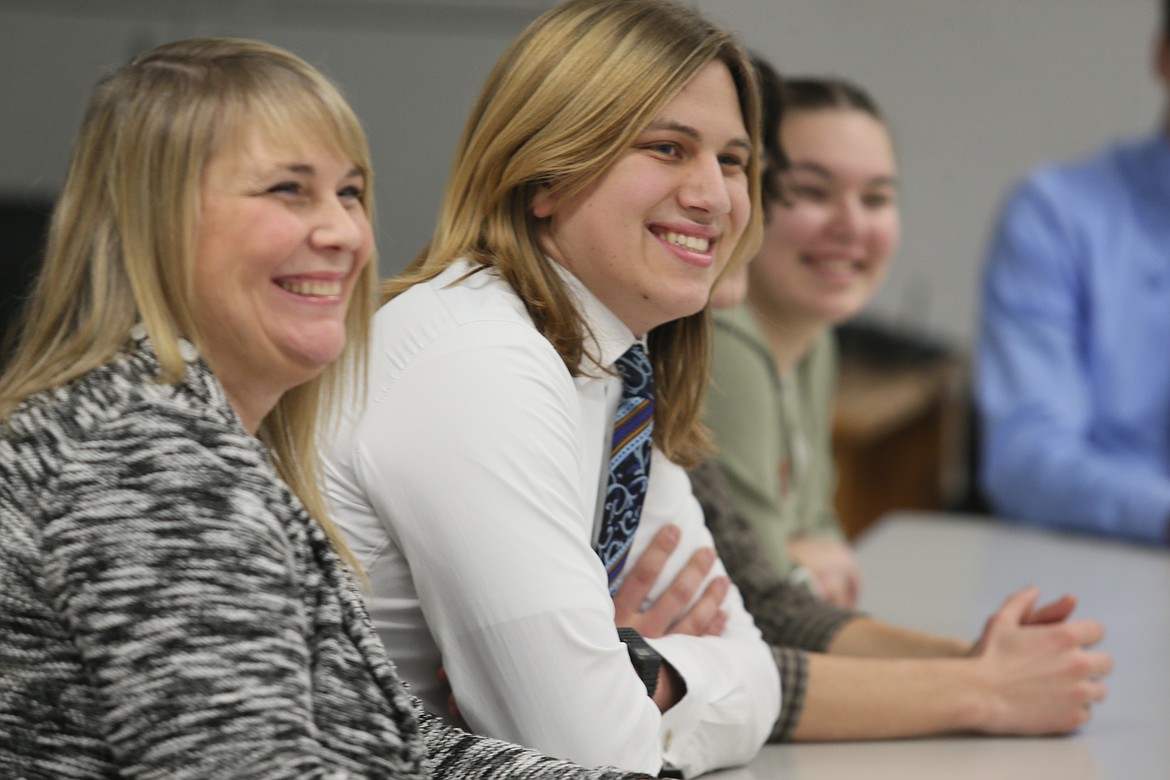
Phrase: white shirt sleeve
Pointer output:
(471, 458)
(733, 687)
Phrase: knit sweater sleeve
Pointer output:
(791, 619)
(454, 753)
(175, 583)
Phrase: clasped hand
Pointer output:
(1037, 663)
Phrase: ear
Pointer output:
(543, 202)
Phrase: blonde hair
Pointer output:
(564, 102)
(121, 239)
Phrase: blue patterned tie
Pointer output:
(629, 462)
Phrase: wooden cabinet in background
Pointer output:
(898, 437)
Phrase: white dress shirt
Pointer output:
(469, 489)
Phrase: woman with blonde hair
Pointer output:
(606, 177)
(173, 601)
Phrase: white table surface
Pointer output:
(946, 574)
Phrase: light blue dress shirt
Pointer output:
(1073, 364)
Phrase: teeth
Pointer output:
(837, 266)
(694, 243)
(311, 288)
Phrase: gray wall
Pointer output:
(411, 70)
(978, 91)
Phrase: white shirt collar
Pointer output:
(610, 336)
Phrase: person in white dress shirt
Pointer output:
(607, 176)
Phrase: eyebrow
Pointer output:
(824, 173)
(692, 133)
(304, 169)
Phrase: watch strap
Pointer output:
(645, 659)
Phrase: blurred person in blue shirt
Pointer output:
(1073, 364)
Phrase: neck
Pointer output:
(251, 410)
(252, 401)
(789, 337)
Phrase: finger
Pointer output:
(641, 578)
(1017, 605)
(1093, 692)
(832, 592)
(1009, 615)
(1054, 612)
(1102, 664)
(671, 605)
(1085, 633)
(842, 597)
(834, 587)
(1100, 692)
(699, 620)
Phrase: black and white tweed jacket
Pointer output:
(169, 609)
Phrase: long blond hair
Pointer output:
(121, 239)
(564, 102)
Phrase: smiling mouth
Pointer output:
(311, 288)
(838, 265)
(693, 243)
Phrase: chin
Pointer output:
(676, 307)
(839, 315)
(691, 310)
(317, 355)
(700, 297)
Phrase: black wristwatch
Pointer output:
(645, 658)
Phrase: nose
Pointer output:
(339, 227)
(848, 219)
(705, 188)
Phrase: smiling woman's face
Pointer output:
(281, 241)
(827, 252)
